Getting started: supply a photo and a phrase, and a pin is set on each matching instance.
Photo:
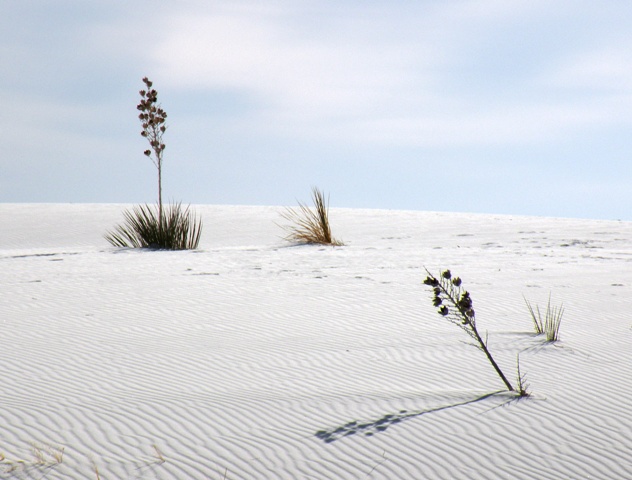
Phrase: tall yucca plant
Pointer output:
(310, 225)
(169, 228)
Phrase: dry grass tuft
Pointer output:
(96, 470)
(311, 225)
(550, 324)
(158, 454)
(523, 386)
(44, 455)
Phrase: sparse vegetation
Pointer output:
(523, 386)
(178, 229)
(158, 454)
(455, 304)
(311, 225)
(96, 470)
(170, 228)
(44, 455)
(550, 324)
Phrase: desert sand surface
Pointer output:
(254, 358)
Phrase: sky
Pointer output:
(484, 106)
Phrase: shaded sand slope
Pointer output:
(254, 359)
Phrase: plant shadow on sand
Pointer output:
(370, 428)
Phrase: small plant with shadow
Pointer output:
(455, 304)
(159, 227)
(311, 225)
(550, 324)
(521, 380)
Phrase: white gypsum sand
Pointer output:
(251, 358)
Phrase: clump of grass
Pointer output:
(44, 455)
(170, 228)
(96, 470)
(523, 386)
(550, 324)
(158, 454)
(455, 304)
(311, 225)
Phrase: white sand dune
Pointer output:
(254, 359)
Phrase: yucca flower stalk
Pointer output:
(152, 118)
(455, 304)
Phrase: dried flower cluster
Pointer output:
(450, 288)
(456, 305)
(153, 118)
(453, 301)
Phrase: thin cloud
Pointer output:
(370, 75)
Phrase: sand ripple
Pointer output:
(251, 359)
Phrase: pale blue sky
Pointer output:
(491, 106)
